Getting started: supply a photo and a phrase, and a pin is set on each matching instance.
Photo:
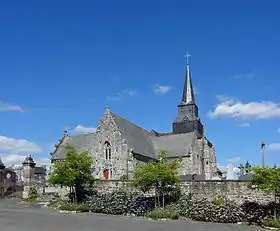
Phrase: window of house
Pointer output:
(207, 162)
(107, 147)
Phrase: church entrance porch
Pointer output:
(106, 173)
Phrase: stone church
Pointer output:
(118, 144)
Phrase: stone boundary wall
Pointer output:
(60, 191)
(238, 191)
(235, 190)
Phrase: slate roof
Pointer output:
(192, 177)
(137, 138)
(80, 142)
(140, 140)
(246, 177)
(28, 160)
(175, 144)
(40, 170)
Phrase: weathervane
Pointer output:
(187, 57)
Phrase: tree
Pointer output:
(160, 175)
(74, 172)
(268, 180)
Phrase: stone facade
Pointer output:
(111, 150)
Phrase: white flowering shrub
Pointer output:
(256, 213)
(120, 202)
(141, 205)
(204, 210)
(110, 203)
(222, 211)
(181, 206)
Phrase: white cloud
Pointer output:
(83, 130)
(161, 89)
(232, 108)
(278, 130)
(117, 97)
(242, 76)
(130, 92)
(120, 95)
(13, 151)
(235, 159)
(244, 125)
(273, 147)
(17, 160)
(9, 107)
(13, 146)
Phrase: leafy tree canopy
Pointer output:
(267, 179)
(75, 171)
(160, 175)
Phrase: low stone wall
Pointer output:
(60, 191)
(112, 185)
(238, 191)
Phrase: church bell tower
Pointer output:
(187, 120)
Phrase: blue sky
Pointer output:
(62, 61)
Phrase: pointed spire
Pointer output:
(188, 93)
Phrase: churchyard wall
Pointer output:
(238, 191)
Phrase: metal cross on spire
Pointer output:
(187, 57)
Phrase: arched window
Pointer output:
(107, 148)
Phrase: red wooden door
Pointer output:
(106, 174)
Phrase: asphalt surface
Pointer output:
(15, 216)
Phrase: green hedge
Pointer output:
(272, 223)
(160, 213)
(74, 207)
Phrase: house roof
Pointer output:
(137, 138)
(80, 142)
(175, 144)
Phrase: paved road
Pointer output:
(15, 216)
